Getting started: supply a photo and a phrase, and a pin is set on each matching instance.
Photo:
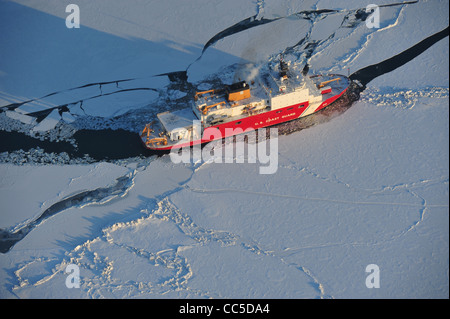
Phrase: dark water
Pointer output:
(371, 72)
(109, 144)
(100, 145)
(13, 141)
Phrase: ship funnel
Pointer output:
(283, 68)
(305, 70)
(238, 91)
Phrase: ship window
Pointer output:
(290, 108)
(238, 123)
(279, 111)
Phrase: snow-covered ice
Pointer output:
(369, 186)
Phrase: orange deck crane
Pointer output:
(322, 84)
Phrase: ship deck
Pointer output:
(178, 119)
(336, 86)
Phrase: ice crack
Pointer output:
(102, 195)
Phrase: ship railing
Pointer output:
(156, 141)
